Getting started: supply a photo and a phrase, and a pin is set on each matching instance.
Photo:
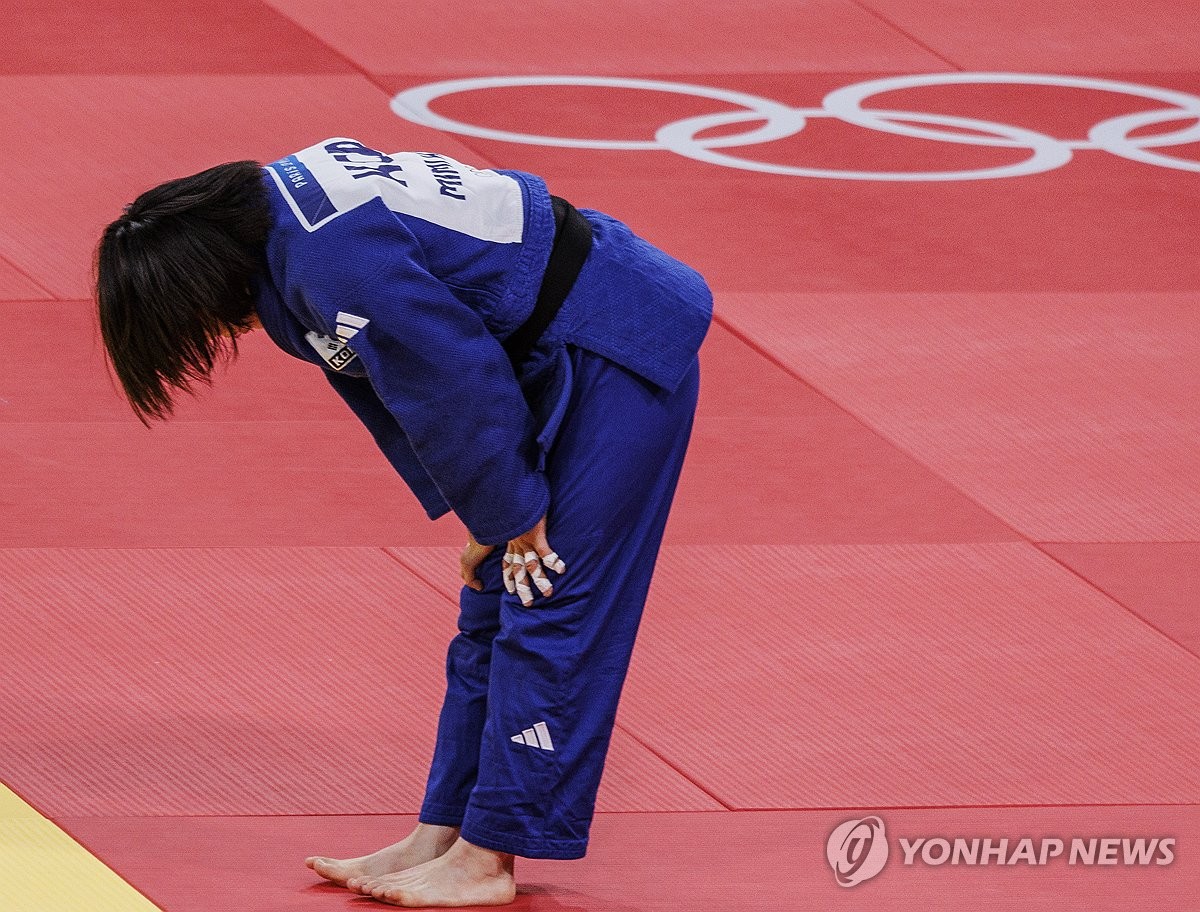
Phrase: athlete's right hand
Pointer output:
(472, 556)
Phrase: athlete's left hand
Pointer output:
(524, 560)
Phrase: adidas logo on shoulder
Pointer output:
(538, 736)
(348, 325)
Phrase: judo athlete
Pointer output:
(528, 365)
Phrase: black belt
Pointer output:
(572, 243)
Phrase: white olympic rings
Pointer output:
(1046, 153)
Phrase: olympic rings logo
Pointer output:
(1044, 153)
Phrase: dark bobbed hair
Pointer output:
(173, 281)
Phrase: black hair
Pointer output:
(173, 281)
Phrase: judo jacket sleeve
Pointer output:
(444, 377)
(390, 438)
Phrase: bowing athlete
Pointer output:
(528, 365)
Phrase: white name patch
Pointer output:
(338, 175)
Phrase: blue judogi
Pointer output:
(401, 275)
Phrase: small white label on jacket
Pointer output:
(337, 354)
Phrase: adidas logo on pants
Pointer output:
(538, 736)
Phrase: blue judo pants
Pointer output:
(532, 692)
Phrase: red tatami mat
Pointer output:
(264, 456)
(1071, 417)
(746, 862)
(216, 483)
(264, 384)
(863, 676)
(620, 36)
(128, 133)
(1052, 37)
(1159, 581)
(261, 681)
(17, 286)
(148, 36)
(913, 675)
(818, 474)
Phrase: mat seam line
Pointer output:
(1026, 539)
(66, 818)
(907, 34)
(978, 807)
(417, 573)
(349, 420)
(707, 791)
(346, 59)
(1120, 541)
(124, 878)
(22, 272)
(1109, 595)
(287, 815)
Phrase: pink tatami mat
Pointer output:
(1071, 417)
(1159, 581)
(16, 286)
(264, 384)
(874, 676)
(745, 862)
(264, 457)
(214, 36)
(128, 133)
(1029, 35)
(910, 675)
(220, 483)
(817, 474)
(622, 36)
(258, 681)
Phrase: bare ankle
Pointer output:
(487, 861)
(443, 837)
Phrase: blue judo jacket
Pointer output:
(401, 274)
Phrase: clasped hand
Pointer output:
(526, 558)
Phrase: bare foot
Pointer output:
(466, 875)
(423, 844)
